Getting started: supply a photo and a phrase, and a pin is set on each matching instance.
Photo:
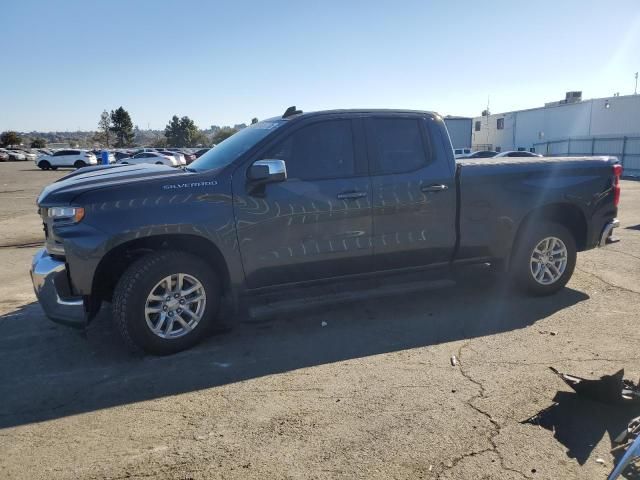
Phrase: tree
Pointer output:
(103, 135)
(159, 143)
(223, 134)
(38, 143)
(10, 138)
(181, 132)
(254, 120)
(121, 127)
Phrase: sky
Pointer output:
(222, 63)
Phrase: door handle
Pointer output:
(433, 188)
(351, 195)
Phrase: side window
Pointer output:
(477, 126)
(500, 124)
(317, 151)
(61, 153)
(398, 145)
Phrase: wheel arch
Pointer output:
(118, 259)
(566, 214)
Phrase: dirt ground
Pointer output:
(370, 395)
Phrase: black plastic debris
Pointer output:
(607, 389)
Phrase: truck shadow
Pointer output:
(50, 371)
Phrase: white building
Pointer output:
(459, 130)
(600, 126)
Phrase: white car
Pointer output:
(180, 158)
(13, 155)
(150, 157)
(28, 155)
(66, 158)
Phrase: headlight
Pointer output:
(66, 214)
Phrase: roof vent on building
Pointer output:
(573, 97)
(570, 97)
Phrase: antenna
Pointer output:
(291, 111)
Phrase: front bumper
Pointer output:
(51, 284)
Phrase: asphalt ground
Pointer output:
(371, 394)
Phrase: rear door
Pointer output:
(61, 158)
(317, 223)
(414, 201)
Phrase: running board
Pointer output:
(304, 303)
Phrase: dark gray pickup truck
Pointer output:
(305, 200)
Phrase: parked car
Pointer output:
(461, 152)
(201, 152)
(4, 157)
(180, 158)
(289, 204)
(29, 155)
(150, 157)
(98, 154)
(481, 154)
(14, 156)
(185, 152)
(188, 156)
(519, 153)
(120, 154)
(66, 158)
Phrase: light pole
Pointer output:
(635, 91)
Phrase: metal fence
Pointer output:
(627, 149)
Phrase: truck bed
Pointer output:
(495, 196)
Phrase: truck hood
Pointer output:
(64, 190)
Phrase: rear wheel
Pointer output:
(166, 302)
(544, 258)
(79, 164)
(44, 165)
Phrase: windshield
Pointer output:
(227, 151)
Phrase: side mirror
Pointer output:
(267, 171)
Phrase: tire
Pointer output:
(142, 280)
(543, 274)
(79, 164)
(44, 165)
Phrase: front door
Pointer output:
(414, 200)
(317, 223)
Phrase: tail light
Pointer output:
(617, 173)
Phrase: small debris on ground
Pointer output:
(324, 324)
(454, 360)
(600, 461)
(548, 332)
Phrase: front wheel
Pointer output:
(44, 165)
(166, 302)
(544, 258)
